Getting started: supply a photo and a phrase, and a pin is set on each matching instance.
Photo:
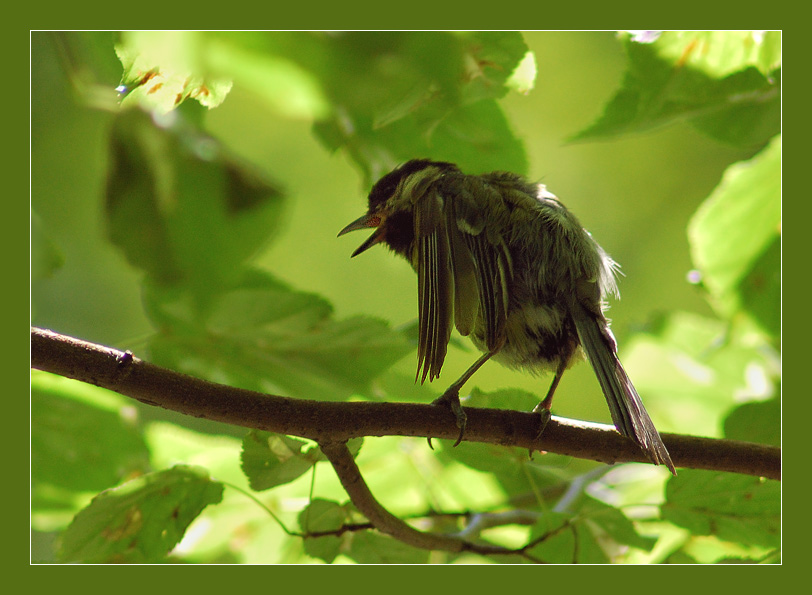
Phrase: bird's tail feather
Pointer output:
(628, 413)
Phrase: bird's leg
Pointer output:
(451, 397)
(543, 408)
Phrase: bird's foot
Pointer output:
(544, 417)
(451, 400)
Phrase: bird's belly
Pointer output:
(537, 339)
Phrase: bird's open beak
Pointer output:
(365, 222)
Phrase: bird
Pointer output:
(506, 263)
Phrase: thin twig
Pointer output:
(350, 476)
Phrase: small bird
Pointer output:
(506, 263)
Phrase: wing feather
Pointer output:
(434, 285)
(487, 260)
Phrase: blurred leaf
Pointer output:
(512, 467)
(734, 508)
(218, 453)
(493, 60)
(394, 386)
(433, 95)
(164, 68)
(720, 53)
(262, 335)
(590, 531)
(323, 516)
(476, 137)
(745, 109)
(566, 541)
(523, 78)
(270, 460)
(509, 398)
(680, 557)
(280, 83)
(736, 103)
(325, 547)
(89, 64)
(46, 257)
(614, 523)
(760, 290)
(369, 547)
(735, 238)
(64, 414)
(479, 138)
(755, 422)
(181, 209)
(516, 473)
(141, 520)
(772, 558)
(690, 370)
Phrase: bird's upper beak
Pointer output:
(365, 222)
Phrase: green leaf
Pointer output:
(496, 61)
(565, 541)
(164, 68)
(523, 78)
(64, 414)
(325, 547)
(512, 467)
(359, 84)
(261, 335)
(720, 53)
(760, 290)
(373, 548)
(433, 95)
(509, 398)
(590, 532)
(744, 109)
(758, 421)
(270, 460)
(179, 207)
(284, 86)
(479, 138)
(394, 386)
(690, 370)
(141, 520)
(216, 452)
(46, 257)
(735, 238)
(663, 86)
(734, 508)
(615, 524)
(323, 516)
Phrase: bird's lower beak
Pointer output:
(365, 222)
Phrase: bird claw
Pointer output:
(545, 416)
(452, 401)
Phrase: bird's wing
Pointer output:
(434, 285)
(481, 260)
(463, 266)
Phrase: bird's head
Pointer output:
(391, 204)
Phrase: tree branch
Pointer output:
(329, 423)
(350, 476)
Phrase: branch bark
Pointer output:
(331, 423)
(353, 483)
